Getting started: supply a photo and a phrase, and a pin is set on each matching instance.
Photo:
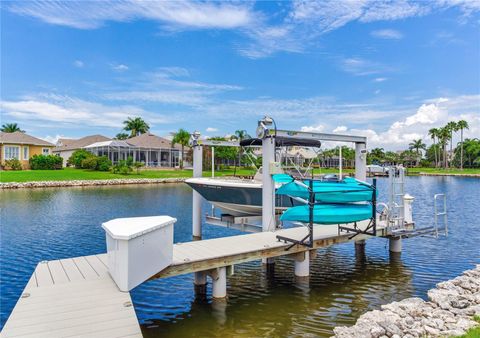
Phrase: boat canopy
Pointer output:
(281, 141)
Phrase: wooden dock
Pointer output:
(73, 297)
(77, 297)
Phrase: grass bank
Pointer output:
(68, 174)
(439, 171)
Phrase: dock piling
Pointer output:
(219, 282)
(395, 244)
(302, 264)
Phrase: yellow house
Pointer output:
(21, 146)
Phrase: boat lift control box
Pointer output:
(138, 248)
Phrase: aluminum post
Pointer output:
(361, 161)
(196, 198)
(268, 186)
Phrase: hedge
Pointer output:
(46, 162)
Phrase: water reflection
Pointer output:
(338, 290)
(345, 281)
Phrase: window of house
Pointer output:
(25, 153)
(46, 151)
(12, 152)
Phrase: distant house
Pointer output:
(153, 150)
(22, 147)
(65, 147)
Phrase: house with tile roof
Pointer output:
(65, 147)
(153, 150)
(22, 147)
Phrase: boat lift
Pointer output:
(398, 211)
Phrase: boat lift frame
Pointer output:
(267, 132)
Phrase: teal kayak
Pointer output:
(346, 191)
(329, 213)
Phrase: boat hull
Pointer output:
(236, 198)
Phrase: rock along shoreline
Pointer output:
(84, 183)
(449, 312)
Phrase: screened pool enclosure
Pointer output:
(117, 150)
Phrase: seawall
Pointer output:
(82, 183)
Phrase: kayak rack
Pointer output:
(371, 229)
(307, 241)
(311, 205)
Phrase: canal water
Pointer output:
(46, 224)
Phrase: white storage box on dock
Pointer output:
(138, 248)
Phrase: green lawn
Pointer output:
(443, 171)
(80, 174)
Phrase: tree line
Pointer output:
(465, 154)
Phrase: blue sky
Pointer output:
(389, 70)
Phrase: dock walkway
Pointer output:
(73, 297)
(76, 297)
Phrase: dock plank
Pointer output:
(85, 268)
(71, 270)
(43, 275)
(97, 265)
(84, 308)
(59, 275)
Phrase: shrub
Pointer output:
(46, 162)
(13, 164)
(123, 167)
(103, 163)
(89, 163)
(138, 165)
(78, 156)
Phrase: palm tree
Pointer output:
(136, 126)
(417, 145)
(11, 128)
(462, 124)
(181, 137)
(240, 135)
(121, 136)
(443, 137)
(376, 155)
(452, 127)
(434, 134)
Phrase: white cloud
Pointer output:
(431, 114)
(360, 67)
(340, 129)
(211, 130)
(316, 128)
(53, 139)
(65, 110)
(163, 86)
(178, 14)
(387, 34)
(380, 79)
(78, 64)
(291, 29)
(119, 67)
(174, 71)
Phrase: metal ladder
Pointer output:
(442, 214)
(396, 179)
